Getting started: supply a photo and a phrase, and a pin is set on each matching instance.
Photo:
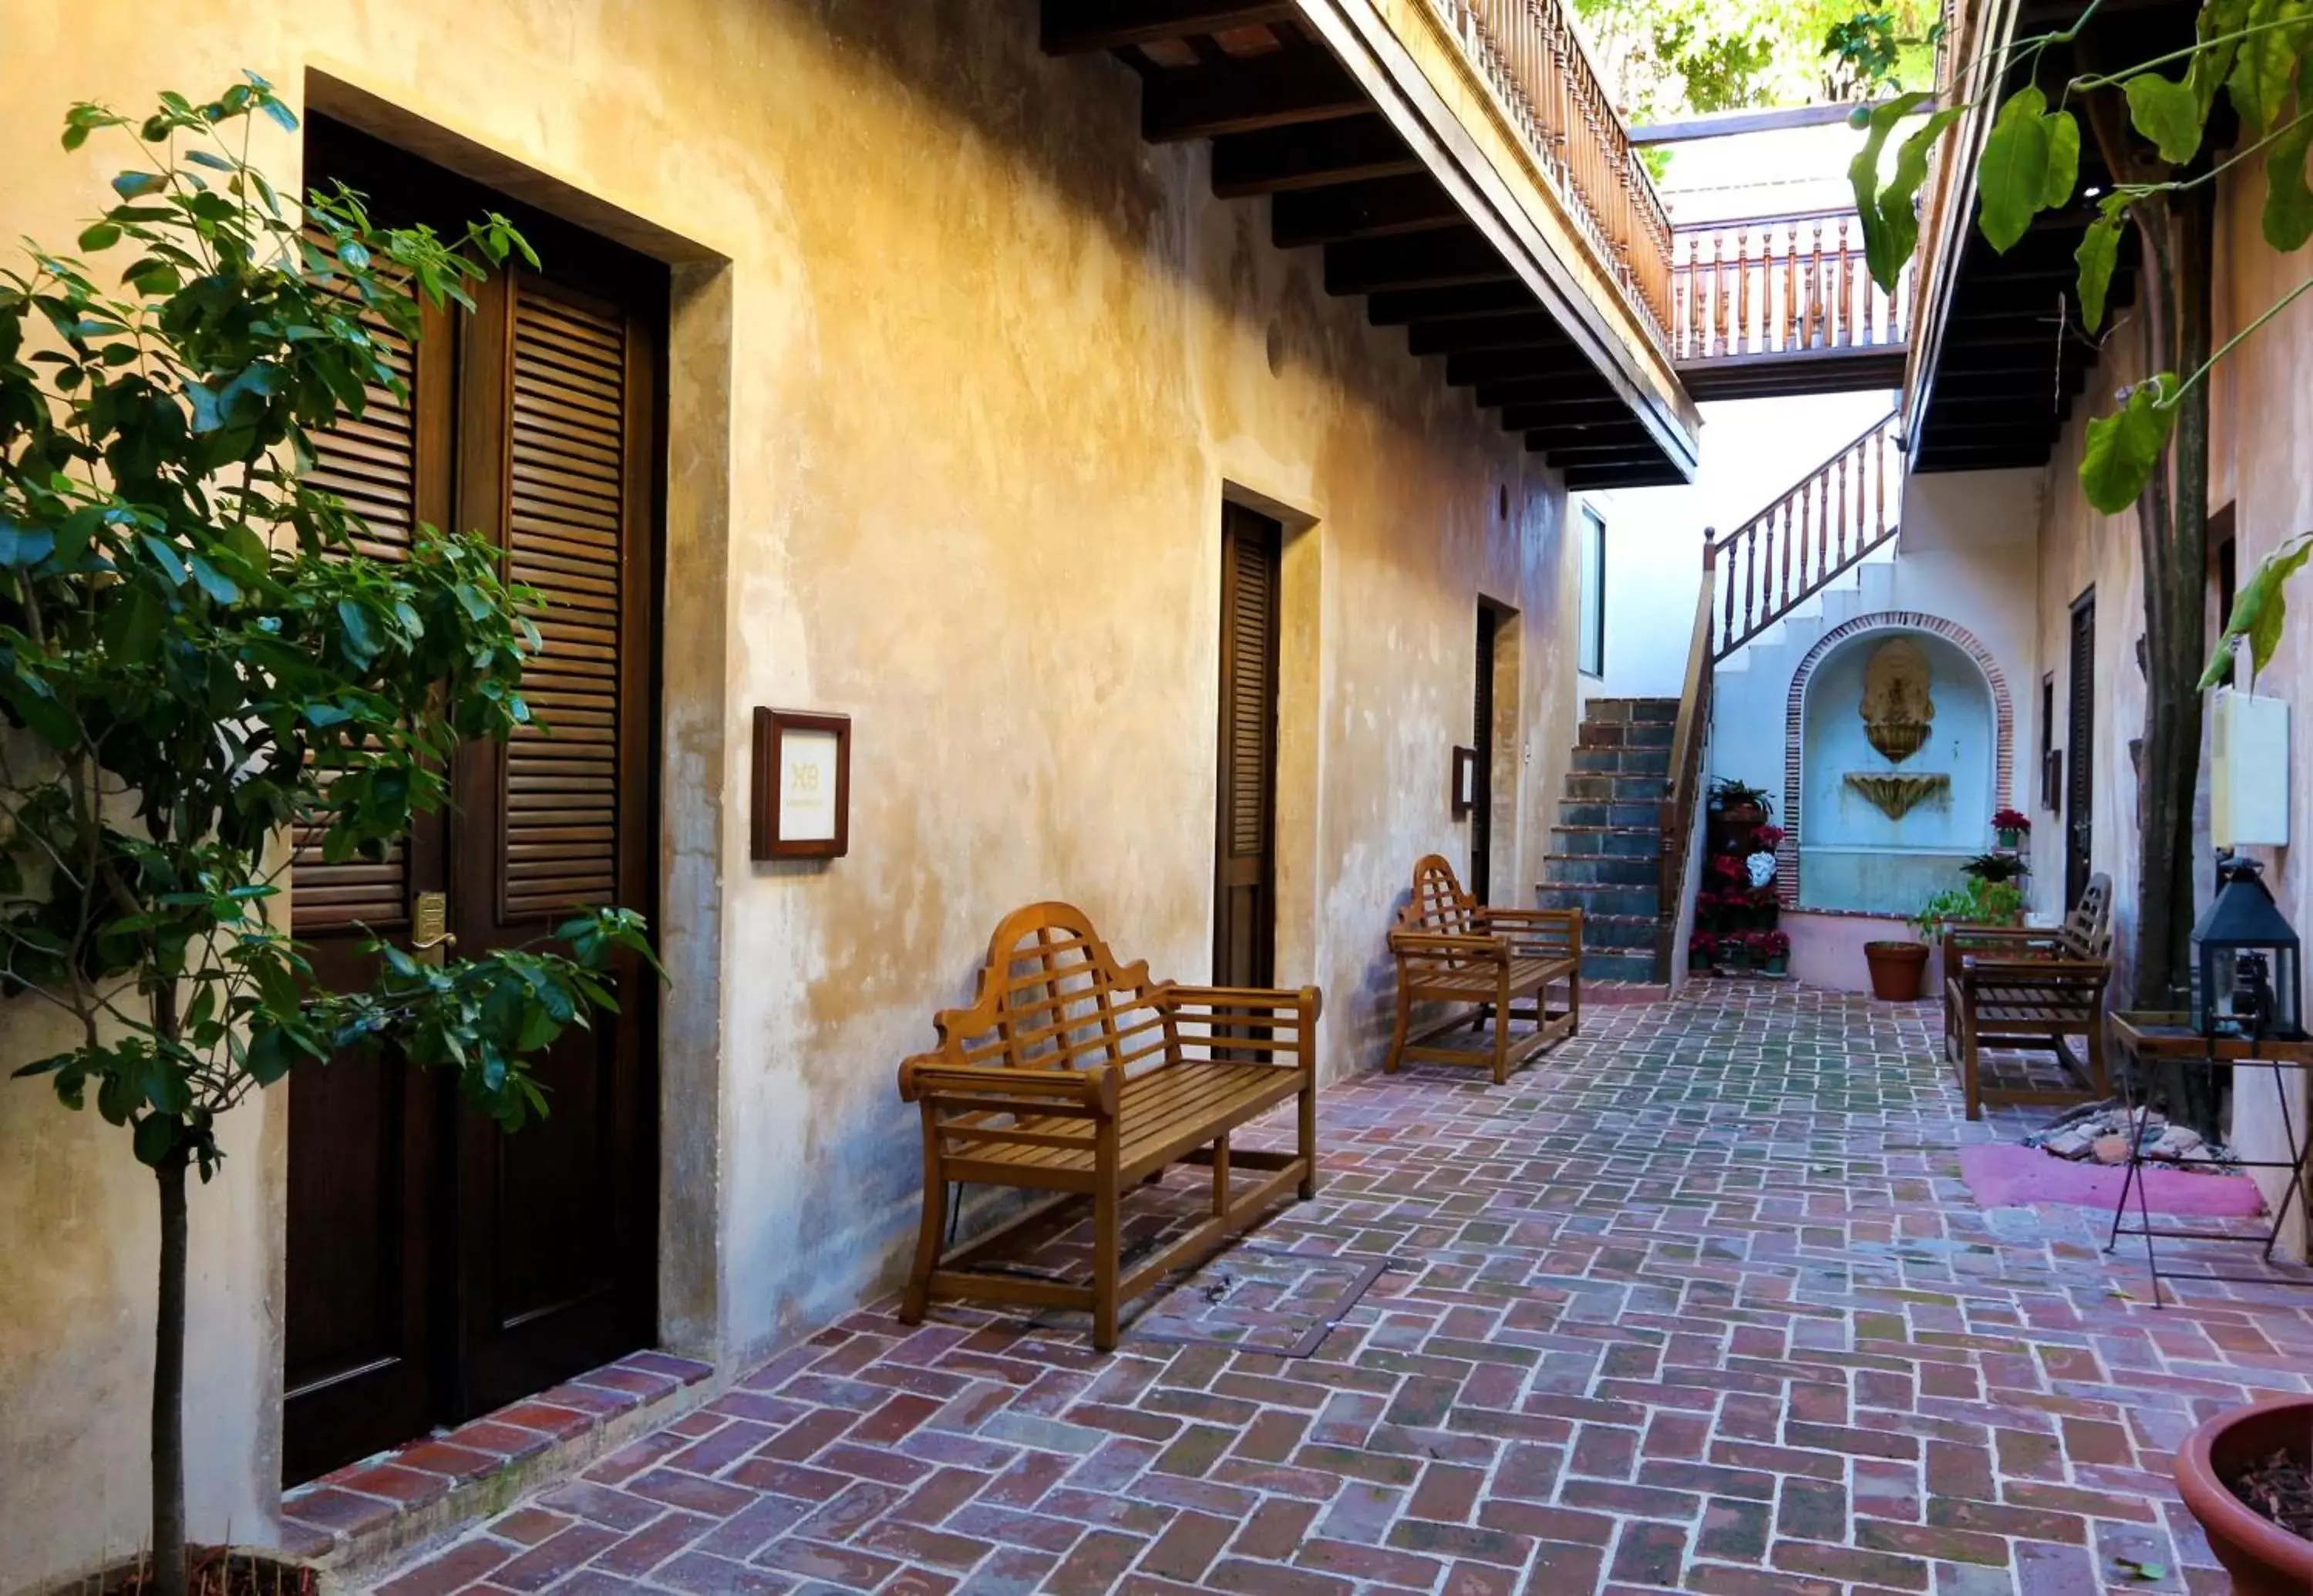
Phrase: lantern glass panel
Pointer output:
(2245, 979)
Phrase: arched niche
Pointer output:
(1855, 844)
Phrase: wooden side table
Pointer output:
(2168, 1036)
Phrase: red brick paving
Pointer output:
(1698, 1303)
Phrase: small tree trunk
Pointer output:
(170, 1572)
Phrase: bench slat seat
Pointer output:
(2009, 987)
(1451, 949)
(1073, 1074)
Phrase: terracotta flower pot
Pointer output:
(2263, 1558)
(1897, 969)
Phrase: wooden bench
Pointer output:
(2018, 987)
(1073, 1074)
(1453, 949)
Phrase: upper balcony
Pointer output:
(1462, 167)
(1769, 305)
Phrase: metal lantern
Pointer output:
(2245, 976)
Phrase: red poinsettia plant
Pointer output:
(1767, 838)
(1767, 945)
(2011, 820)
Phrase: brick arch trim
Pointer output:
(2003, 713)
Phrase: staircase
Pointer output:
(1605, 853)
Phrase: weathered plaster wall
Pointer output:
(2261, 412)
(961, 374)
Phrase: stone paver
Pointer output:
(1697, 1304)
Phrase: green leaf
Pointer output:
(2167, 113)
(2219, 19)
(214, 582)
(1863, 176)
(2288, 203)
(360, 640)
(1888, 246)
(2013, 173)
(98, 235)
(2258, 611)
(156, 1139)
(2265, 61)
(2098, 252)
(2063, 159)
(132, 185)
(2124, 449)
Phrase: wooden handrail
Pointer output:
(1781, 285)
(1689, 737)
(1530, 54)
(1823, 528)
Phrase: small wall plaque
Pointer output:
(801, 791)
(1466, 781)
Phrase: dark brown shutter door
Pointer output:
(370, 462)
(1481, 816)
(566, 488)
(1245, 919)
(2080, 759)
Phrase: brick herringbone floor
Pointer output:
(1697, 1304)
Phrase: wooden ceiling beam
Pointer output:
(1441, 259)
(1563, 453)
(1526, 330)
(1504, 366)
(1580, 478)
(1282, 159)
(1379, 207)
(1586, 415)
(1074, 27)
(1447, 305)
(1566, 388)
(1248, 94)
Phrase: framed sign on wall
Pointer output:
(801, 799)
(1466, 781)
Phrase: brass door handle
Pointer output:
(430, 937)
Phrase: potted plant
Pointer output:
(1771, 952)
(1993, 868)
(1701, 950)
(2010, 827)
(1741, 808)
(1734, 952)
(2253, 1444)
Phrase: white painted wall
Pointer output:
(1753, 450)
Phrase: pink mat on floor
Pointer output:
(2014, 1177)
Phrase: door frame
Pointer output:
(2080, 748)
(1264, 961)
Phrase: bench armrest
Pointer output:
(1251, 1023)
(1557, 931)
(1446, 944)
(933, 1077)
(1257, 1001)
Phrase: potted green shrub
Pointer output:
(1740, 809)
(1993, 868)
(196, 656)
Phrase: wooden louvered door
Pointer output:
(2079, 753)
(437, 1267)
(367, 1137)
(1245, 866)
(1482, 722)
(556, 1222)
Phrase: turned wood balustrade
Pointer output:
(1780, 286)
(1816, 533)
(1528, 52)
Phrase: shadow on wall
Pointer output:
(1898, 771)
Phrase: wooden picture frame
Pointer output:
(1466, 781)
(2052, 780)
(800, 790)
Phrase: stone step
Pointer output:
(1616, 788)
(1629, 761)
(1632, 932)
(1634, 816)
(1619, 734)
(1561, 869)
(1630, 709)
(1617, 965)
(1606, 841)
(1598, 898)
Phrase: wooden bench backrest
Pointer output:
(2087, 932)
(1438, 904)
(1051, 996)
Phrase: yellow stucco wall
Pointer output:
(961, 372)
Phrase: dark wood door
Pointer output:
(2080, 752)
(1482, 738)
(437, 1267)
(368, 1138)
(1244, 864)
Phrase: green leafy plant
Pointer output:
(1977, 902)
(2258, 611)
(1727, 793)
(195, 657)
(2150, 452)
(1996, 866)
